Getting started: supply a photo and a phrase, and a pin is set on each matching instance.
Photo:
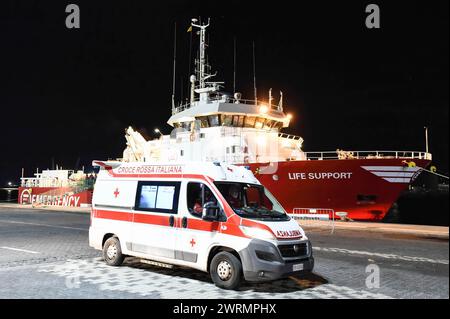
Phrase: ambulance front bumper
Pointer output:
(264, 261)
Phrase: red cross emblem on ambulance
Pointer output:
(116, 192)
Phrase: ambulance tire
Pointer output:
(112, 254)
(225, 264)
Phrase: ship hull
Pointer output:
(362, 189)
(55, 196)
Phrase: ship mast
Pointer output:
(203, 69)
(202, 58)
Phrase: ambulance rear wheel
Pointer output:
(112, 253)
(226, 270)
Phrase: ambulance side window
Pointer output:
(197, 195)
(159, 197)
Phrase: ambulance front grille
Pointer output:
(293, 250)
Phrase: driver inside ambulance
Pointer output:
(198, 207)
(233, 197)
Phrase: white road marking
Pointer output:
(388, 256)
(43, 225)
(21, 250)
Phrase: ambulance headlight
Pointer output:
(302, 233)
(257, 233)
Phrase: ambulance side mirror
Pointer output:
(210, 211)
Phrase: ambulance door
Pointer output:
(195, 235)
(154, 221)
(113, 202)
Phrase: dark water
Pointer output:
(422, 207)
(8, 196)
(425, 203)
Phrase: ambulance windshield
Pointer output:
(252, 201)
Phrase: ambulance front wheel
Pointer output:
(226, 270)
(112, 253)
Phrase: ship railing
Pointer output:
(340, 154)
(223, 99)
(39, 182)
(290, 137)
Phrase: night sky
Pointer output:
(68, 94)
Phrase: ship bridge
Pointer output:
(230, 112)
(209, 107)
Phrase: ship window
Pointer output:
(203, 121)
(259, 122)
(238, 121)
(213, 120)
(228, 150)
(186, 125)
(241, 121)
(268, 124)
(234, 148)
(182, 152)
(226, 119)
(250, 121)
(278, 125)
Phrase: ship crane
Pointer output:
(135, 146)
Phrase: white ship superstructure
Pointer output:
(214, 126)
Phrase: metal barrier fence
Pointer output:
(310, 216)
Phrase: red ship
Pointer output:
(361, 189)
(58, 187)
(215, 126)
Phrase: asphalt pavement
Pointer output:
(45, 254)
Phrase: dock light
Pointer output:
(156, 130)
(9, 184)
(263, 109)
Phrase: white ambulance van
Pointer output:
(209, 216)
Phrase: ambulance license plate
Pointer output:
(297, 267)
